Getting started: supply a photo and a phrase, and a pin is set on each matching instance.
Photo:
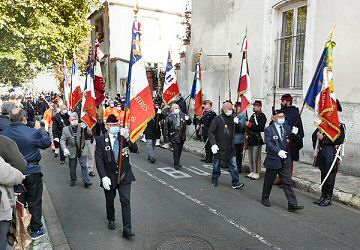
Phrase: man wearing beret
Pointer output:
(278, 161)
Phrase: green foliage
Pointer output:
(35, 35)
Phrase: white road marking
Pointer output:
(211, 167)
(197, 171)
(210, 209)
(176, 174)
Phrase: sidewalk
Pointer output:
(305, 178)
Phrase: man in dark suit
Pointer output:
(175, 127)
(277, 136)
(107, 161)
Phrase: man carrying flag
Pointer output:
(171, 87)
(330, 132)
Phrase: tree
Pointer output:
(36, 35)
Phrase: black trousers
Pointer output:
(33, 198)
(326, 157)
(239, 155)
(124, 193)
(177, 150)
(208, 153)
(285, 174)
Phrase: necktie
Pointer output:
(116, 149)
(281, 132)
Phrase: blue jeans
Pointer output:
(4, 228)
(84, 170)
(233, 170)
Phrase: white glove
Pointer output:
(214, 149)
(56, 139)
(66, 152)
(295, 130)
(282, 154)
(236, 120)
(124, 132)
(83, 125)
(106, 182)
(187, 117)
(159, 111)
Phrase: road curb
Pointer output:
(303, 185)
(55, 230)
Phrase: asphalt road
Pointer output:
(183, 209)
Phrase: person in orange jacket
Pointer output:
(48, 119)
(110, 110)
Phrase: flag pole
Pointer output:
(199, 57)
(121, 158)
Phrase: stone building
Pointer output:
(285, 39)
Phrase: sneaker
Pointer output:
(56, 155)
(152, 160)
(87, 184)
(255, 176)
(72, 183)
(91, 173)
(250, 175)
(62, 162)
(143, 139)
(40, 233)
(215, 184)
(157, 143)
(165, 145)
(237, 186)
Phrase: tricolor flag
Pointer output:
(196, 91)
(321, 95)
(67, 87)
(171, 87)
(88, 109)
(76, 93)
(244, 89)
(99, 79)
(139, 96)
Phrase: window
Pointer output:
(292, 43)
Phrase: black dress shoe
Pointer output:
(111, 225)
(322, 197)
(265, 203)
(325, 202)
(91, 173)
(293, 208)
(87, 184)
(56, 155)
(203, 160)
(152, 160)
(128, 235)
(72, 183)
(208, 161)
(62, 162)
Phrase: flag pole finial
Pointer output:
(332, 33)
(200, 54)
(136, 9)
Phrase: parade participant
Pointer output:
(61, 120)
(255, 126)
(175, 127)
(240, 136)
(74, 146)
(42, 105)
(221, 138)
(48, 119)
(324, 159)
(166, 110)
(6, 107)
(152, 132)
(30, 141)
(277, 161)
(204, 125)
(110, 110)
(30, 109)
(293, 119)
(107, 161)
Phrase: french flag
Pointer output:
(139, 95)
(171, 86)
(196, 91)
(88, 109)
(99, 79)
(244, 89)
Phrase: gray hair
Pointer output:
(74, 114)
(17, 115)
(7, 107)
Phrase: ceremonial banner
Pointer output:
(88, 109)
(99, 79)
(321, 95)
(244, 89)
(67, 87)
(196, 91)
(76, 93)
(171, 87)
(139, 98)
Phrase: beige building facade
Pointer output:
(285, 39)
